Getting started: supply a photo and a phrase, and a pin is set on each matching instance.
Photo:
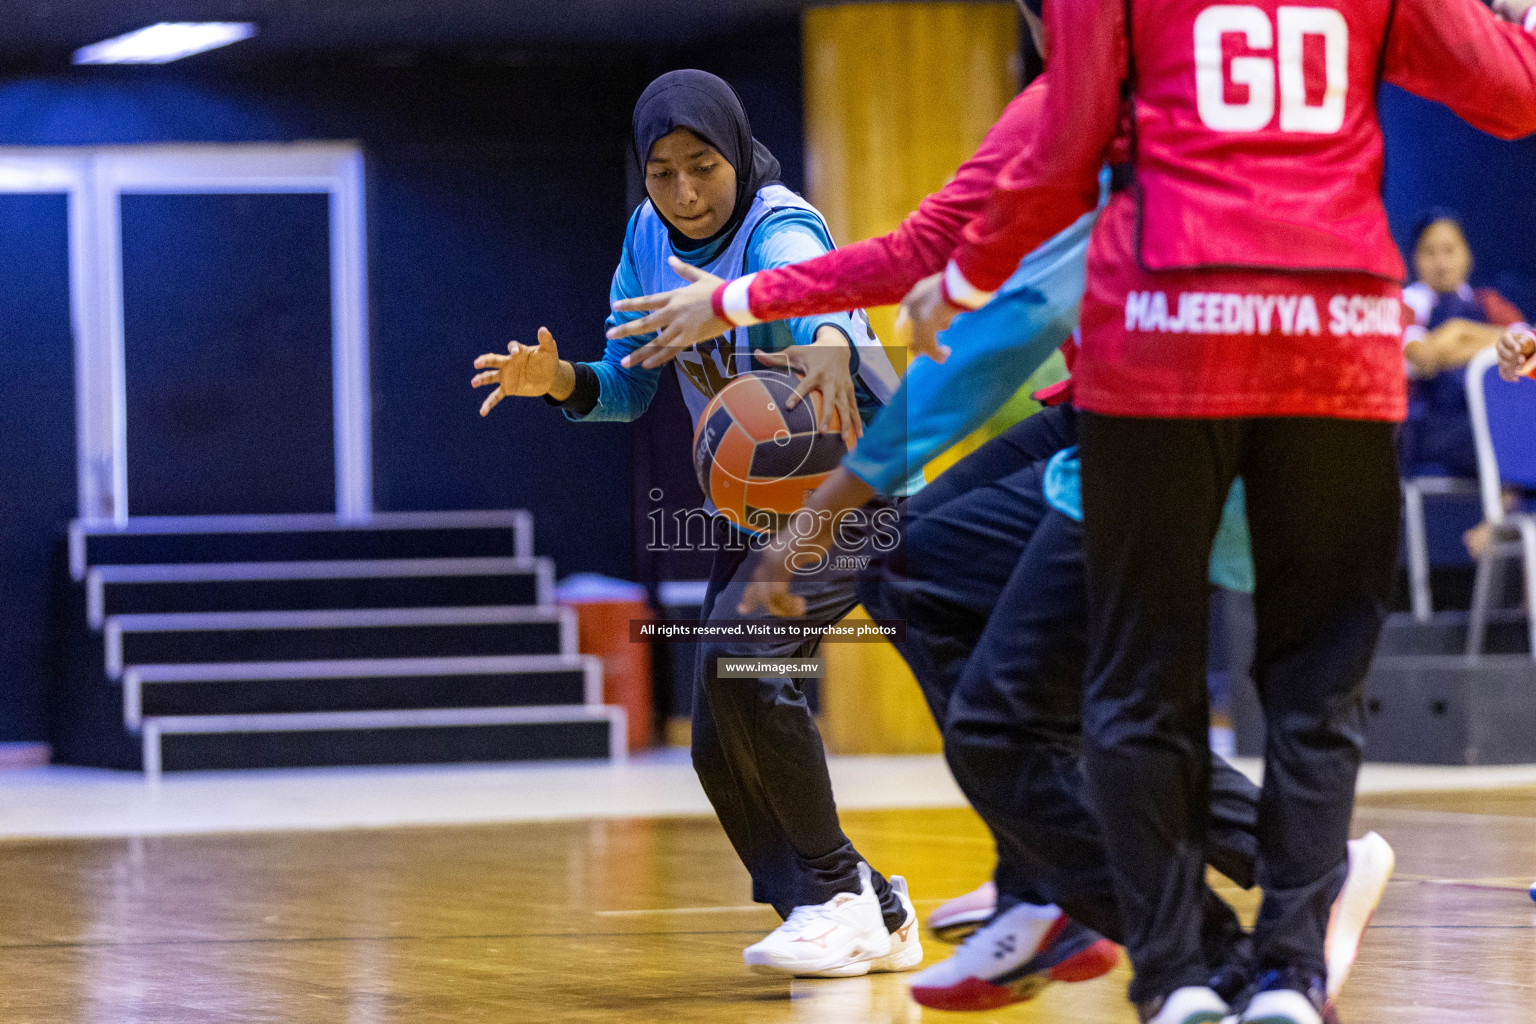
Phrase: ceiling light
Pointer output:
(165, 42)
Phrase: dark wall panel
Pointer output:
(37, 443)
(227, 354)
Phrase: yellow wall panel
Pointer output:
(896, 96)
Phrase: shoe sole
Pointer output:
(896, 963)
(973, 994)
(856, 967)
(1357, 903)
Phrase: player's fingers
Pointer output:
(491, 402)
(782, 604)
(489, 360)
(639, 355)
(752, 599)
(643, 304)
(633, 328)
(686, 271)
(546, 340)
(480, 380)
(848, 413)
(772, 358)
(670, 343)
(810, 382)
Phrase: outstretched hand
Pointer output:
(776, 563)
(526, 370)
(681, 318)
(1517, 355)
(823, 368)
(924, 315)
(1513, 10)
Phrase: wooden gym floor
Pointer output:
(642, 920)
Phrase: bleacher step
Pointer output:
(377, 685)
(208, 637)
(310, 586)
(187, 743)
(164, 540)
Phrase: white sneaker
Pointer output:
(1281, 1006)
(906, 944)
(1192, 1005)
(841, 938)
(1371, 862)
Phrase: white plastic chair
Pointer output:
(1504, 425)
(1415, 490)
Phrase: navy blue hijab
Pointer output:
(708, 107)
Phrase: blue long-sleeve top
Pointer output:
(783, 229)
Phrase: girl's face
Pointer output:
(1443, 260)
(692, 185)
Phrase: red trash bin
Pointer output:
(604, 607)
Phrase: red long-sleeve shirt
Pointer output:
(880, 271)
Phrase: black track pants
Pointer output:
(1323, 510)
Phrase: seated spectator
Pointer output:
(1452, 323)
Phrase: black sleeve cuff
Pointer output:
(584, 396)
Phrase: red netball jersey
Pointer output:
(1257, 143)
(1234, 274)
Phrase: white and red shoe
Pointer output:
(961, 916)
(841, 938)
(1021, 951)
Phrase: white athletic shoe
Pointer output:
(841, 938)
(1281, 1006)
(1192, 1005)
(1371, 862)
(906, 944)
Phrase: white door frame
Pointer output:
(94, 179)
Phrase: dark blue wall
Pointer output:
(37, 443)
(227, 354)
(497, 196)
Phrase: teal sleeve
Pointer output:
(1232, 551)
(625, 392)
(993, 351)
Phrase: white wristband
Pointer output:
(1530, 20)
(737, 303)
(960, 291)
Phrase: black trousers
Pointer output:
(1323, 508)
(756, 748)
(989, 580)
